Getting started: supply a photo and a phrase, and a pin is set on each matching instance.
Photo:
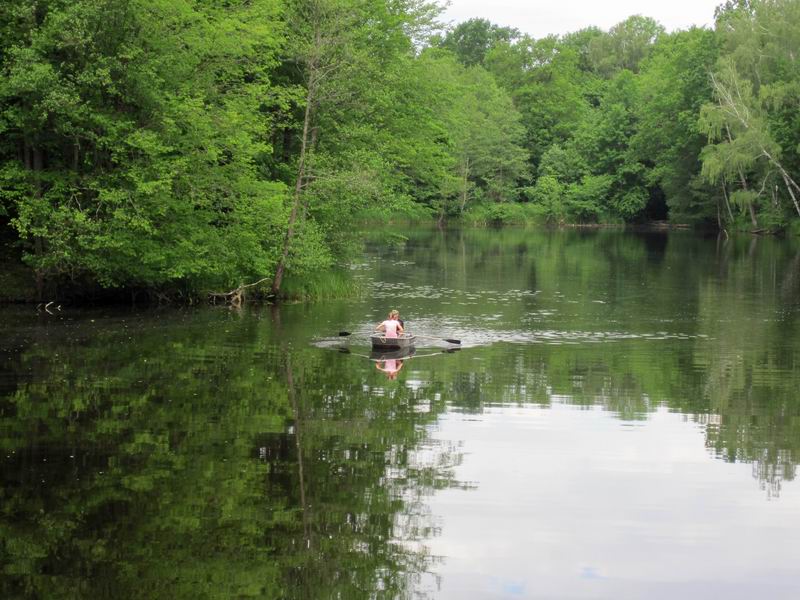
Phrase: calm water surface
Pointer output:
(622, 420)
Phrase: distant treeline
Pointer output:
(196, 145)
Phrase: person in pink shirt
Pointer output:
(392, 326)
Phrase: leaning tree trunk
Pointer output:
(464, 183)
(298, 190)
(790, 183)
(727, 202)
(34, 160)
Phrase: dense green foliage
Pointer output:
(198, 146)
(194, 146)
(131, 138)
(635, 124)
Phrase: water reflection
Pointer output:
(632, 322)
(603, 509)
(206, 456)
(617, 396)
(389, 366)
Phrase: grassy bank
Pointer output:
(325, 285)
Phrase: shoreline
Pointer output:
(17, 280)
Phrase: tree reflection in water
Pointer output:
(191, 461)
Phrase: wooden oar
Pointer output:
(427, 337)
(448, 340)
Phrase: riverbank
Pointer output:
(17, 280)
(17, 286)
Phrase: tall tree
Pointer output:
(548, 88)
(340, 48)
(753, 129)
(131, 132)
(471, 40)
(672, 87)
(744, 145)
(625, 46)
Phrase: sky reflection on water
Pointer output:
(591, 507)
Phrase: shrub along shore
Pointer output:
(190, 150)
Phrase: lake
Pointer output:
(620, 420)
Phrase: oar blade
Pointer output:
(344, 333)
(450, 341)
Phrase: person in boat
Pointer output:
(391, 327)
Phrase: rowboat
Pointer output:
(381, 342)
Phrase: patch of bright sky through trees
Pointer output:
(539, 18)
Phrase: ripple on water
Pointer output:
(438, 330)
(394, 290)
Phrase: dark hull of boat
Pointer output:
(380, 342)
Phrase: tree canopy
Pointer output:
(187, 147)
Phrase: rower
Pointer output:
(392, 327)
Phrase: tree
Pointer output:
(340, 48)
(625, 46)
(489, 143)
(744, 144)
(672, 87)
(752, 125)
(548, 89)
(471, 40)
(131, 135)
(483, 131)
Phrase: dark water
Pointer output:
(622, 421)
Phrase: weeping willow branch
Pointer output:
(734, 99)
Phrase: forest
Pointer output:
(195, 146)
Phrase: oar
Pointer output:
(448, 340)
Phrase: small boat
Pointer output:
(381, 342)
